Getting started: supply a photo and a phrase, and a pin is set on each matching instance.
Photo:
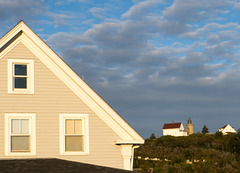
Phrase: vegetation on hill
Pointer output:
(194, 153)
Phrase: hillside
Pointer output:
(194, 153)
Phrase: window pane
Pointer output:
(20, 69)
(74, 143)
(78, 126)
(25, 126)
(20, 143)
(16, 126)
(20, 82)
(69, 127)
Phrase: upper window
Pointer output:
(74, 134)
(20, 76)
(20, 134)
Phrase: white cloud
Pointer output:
(17, 10)
(237, 6)
(97, 12)
(141, 8)
(59, 19)
(211, 30)
(190, 11)
(63, 41)
(149, 61)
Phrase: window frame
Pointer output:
(29, 77)
(85, 133)
(32, 133)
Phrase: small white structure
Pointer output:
(174, 129)
(227, 129)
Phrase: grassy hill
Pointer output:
(195, 153)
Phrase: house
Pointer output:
(48, 111)
(227, 129)
(174, 129)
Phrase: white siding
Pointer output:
(51, 98)
(227, 129)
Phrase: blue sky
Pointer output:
(153, 61)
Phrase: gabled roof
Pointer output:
(22, 33)
(223, 127)
(172, 126)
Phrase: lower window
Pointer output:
(20, 134)
(74, 134)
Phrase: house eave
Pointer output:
(171, 128)
(129, 142)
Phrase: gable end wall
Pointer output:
(51, 98)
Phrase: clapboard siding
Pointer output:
(52, 97)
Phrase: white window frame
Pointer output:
(85, 128)
(32, 131)
(30, 76)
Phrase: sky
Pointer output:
(152, 61)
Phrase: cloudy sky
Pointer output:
(153, 61)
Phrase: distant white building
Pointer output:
(174, 129)
(227, 129)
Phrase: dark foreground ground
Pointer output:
(52, 166)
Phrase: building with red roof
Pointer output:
(174, 129)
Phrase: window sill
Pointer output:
(74, 153)
(21, 91)
(20, 154)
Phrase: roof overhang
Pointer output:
(129, 142)
(172, 128)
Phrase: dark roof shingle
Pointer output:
(53, 166)
(171, 126)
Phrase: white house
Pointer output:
(174, 129)
(227, 129)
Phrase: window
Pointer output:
(20, 78)
(20, 134)
(74, 134)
